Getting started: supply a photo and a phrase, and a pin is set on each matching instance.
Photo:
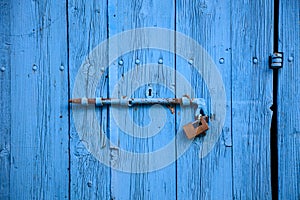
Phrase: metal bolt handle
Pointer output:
(185, 101)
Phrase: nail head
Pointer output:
(2, 69)
(255, 60)
(160, 61)
(61, 68)
(121, 62)
(191, 61)
(89, 184)
(34, 67)
(290, 59)
(137, 61)
(222, 61)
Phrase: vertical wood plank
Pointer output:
(252, 37)
(288, 102)
(39, 125)
(5, 106)
(90, 179)
(125, 15)
(208, 23)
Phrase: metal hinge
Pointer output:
(276, 60)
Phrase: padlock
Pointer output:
(196, 128)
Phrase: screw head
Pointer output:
(2, 69)
(121, 62)
(34, 67)
(191, 61)
(255, 60)
(137, 61)
(61, 68)
(222, 61)
(160, 61)
(102, 69)
(290, 59)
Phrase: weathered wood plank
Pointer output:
(289, 102)
(5, 106)
(161, 184)
(39, 125)
(90, 179)
(252, 37)
(205, 173)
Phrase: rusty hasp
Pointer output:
(99, 101)
(125, 101)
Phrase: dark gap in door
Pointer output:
(175, 116)
(274, 108)
(69, 96)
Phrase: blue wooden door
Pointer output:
(52, 51)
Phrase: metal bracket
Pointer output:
(276, 60)
(125, 101)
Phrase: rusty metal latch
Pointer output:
(184, 101)
(191, 130)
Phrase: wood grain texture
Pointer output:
(125, 15)
(90, 179)
(44, 43)
(289, 102)
(39, 125)
(206, 22)
(252, 37)
(5, 106)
